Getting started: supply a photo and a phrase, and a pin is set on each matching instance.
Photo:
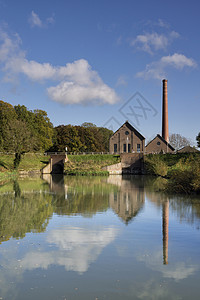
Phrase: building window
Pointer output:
(138, 147)
(129, 148)
(126, 133)
(124, 148)
(115, 148)
(158, 143)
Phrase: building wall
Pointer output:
(157, 146)
(131, 140)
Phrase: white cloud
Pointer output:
(122, 80)
(34, 20)
(179, 61)
(151, 42)
(157, 69)
(77, 82)
(8, 46)
(74, 93)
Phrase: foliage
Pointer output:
(181, 169)
(185, 176)
(22, 130)
(85, 138)
(18, 139)
(155, 165)
(7, 114)
(198, 140)
(38, 124)
(178, 141)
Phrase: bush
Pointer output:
(185, 176)
(155, 165)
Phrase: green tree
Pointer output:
(43, 129)
(67, 136)
(39, 124)
(88, 125)
(18, 139)
(7, 114)
(198, 140)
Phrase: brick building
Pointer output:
(157, 145)
(127, 140)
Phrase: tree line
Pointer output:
(23, 130)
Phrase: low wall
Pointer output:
(115, 169)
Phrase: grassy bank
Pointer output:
(89, 164)
(182, 171)
(29, 162)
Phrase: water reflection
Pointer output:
(109, 234)
(129, 199)
(75, 248)
(165, 230)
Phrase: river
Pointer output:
(115, 237)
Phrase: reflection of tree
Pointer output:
(187, 209)
(23, 212)
(79, 195)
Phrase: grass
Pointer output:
(33, 161)
(89, 164)
(29, 162)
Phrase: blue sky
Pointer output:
(103, 61)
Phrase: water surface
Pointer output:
(97, 238)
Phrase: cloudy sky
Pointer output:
(103, 61)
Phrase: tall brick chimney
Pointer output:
(165, 128)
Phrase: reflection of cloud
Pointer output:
(177, 271)
(153, 290)
(77, 248)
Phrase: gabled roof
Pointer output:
(163, 140)
(187, 149)
(130, 127)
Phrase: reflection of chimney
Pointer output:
(165, 129)
(165, 225)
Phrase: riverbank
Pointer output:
(182, 171)
(77, 164)
(91, 164)
(30, 163)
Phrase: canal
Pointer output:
(115, 237)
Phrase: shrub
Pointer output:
(155, 165)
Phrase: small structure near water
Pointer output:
(56, 164)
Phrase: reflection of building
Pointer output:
(128, 200)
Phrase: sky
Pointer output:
(103, 61)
